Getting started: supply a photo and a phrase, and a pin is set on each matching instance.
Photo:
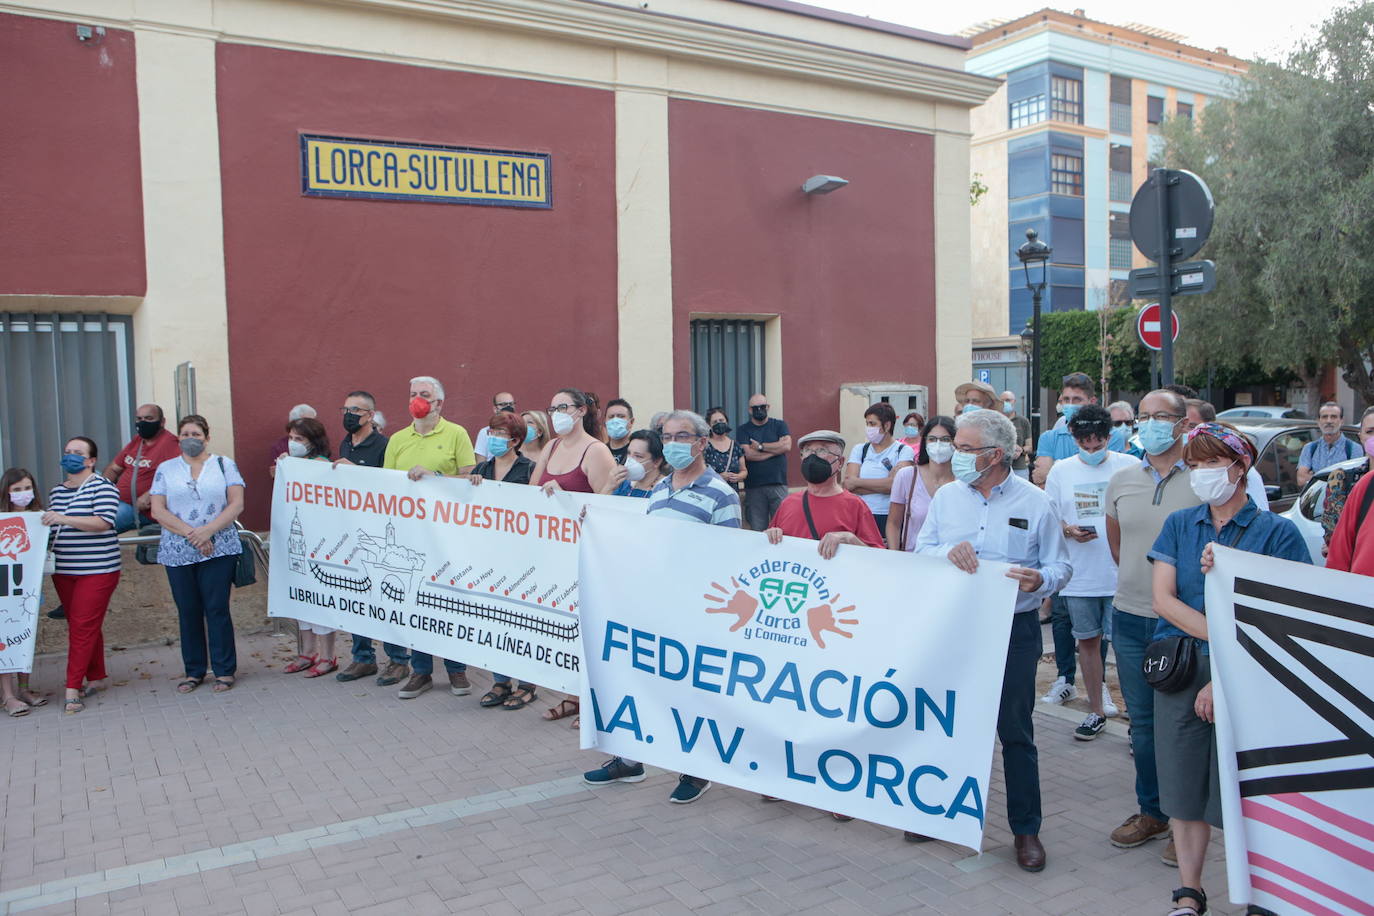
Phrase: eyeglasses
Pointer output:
(944, 439)
(970, 449)
(679, 437)
(823, 452)
(1162, 417)
(559, 408)
(355, 411)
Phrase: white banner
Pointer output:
(23, 543)
(1293, 681)
(867, 684)
(484, 574)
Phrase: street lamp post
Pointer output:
(1027, 335)
(1035, 252)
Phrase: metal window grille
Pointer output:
(727, 365)
(1119, 254)
(1119, 184)
(1027, 111)
(63, 376)
(1121, 117)
(1066, 174)
(1066, 99)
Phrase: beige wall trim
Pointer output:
(184, 315)
(317, 26)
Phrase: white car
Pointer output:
(1262, 411)
(1306, 511)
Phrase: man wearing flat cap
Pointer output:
(824, 511)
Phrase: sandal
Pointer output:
(496, 695)
(186, 685)
(521, 697)
(566, 707)
(323, 666)
(16, 707)
(576, 723)
(35, 700)
(301, 663)
(73, 706)
(1185, 909)
(223, 684)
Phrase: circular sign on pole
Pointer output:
(1147, 326)
(1190, 215)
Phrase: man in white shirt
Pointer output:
(1078, 488)
(989, 513)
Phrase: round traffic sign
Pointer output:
(1147, 326)
(1190, 214)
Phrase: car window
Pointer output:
(1287, 449)
(1312, 498)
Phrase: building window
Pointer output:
(1028, 111)
(1066, 174)
(1066, 99)
(1154, 109)
(727, 364)
(1185, 110)
(1119, 247)
(1120, 187)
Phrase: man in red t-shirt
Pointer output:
(133, 468)
(836, 515)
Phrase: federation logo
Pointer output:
(783, 602)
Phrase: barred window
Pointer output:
(1066, 174)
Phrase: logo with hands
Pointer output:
(755, 616)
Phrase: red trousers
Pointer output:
(86, 599)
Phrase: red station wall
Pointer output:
(327, 295)
(70, 178)
(852, 273)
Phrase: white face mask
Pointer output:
(296, 449)
(563, 424)
(634, 471)
(21, 499)
(940, 452)
(1213, 486)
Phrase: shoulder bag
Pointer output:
(245, 570)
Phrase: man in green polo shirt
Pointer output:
(430, 446)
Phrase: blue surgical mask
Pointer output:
(965, 466)
(1157, 436)
(73, 464)
(678, 454)
(1093, 458)
(497, 446)
(911, 431)
(531, 433)
(970, 408)
(1068, 410)
(1008, 407)
(618, 427)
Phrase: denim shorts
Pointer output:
(1090, 617)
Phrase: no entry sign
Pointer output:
(1147, 326)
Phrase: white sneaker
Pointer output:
(1059, 691)
(1108, 707)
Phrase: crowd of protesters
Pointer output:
(1106, 521)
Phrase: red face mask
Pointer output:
(419, 407)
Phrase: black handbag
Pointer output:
(245, 570)
(1170, 663)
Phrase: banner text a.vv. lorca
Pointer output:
(710, 652)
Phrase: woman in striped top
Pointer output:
(86, 549)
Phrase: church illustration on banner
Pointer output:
(387, 570)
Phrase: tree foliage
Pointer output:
(1290, 162)
(1070, 342)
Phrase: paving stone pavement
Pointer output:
(296, 796)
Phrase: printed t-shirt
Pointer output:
(140, 459)
(1079, 493)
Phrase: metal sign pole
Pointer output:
(1166, 312)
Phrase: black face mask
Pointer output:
(816, 469)
(760, 412)
(720, 428)
(147, 429)
(352, 422)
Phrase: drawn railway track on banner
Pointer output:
(345, 582)
(506, 616)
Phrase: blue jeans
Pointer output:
(422, 664)
(1131, 633)
(365, 654)
(1020, 761)
(201, 593)
(1065, 647)
(126, 520)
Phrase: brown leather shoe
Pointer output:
(1137, 830)
(393, 674)
(355, 671)
(1030, 855)
(1170, 855)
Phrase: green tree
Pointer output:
(1071, 342)
(1290, 162)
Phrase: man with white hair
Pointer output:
(991, 514)
(1123, 418)
(430, 446)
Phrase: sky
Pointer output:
(1246, 30)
